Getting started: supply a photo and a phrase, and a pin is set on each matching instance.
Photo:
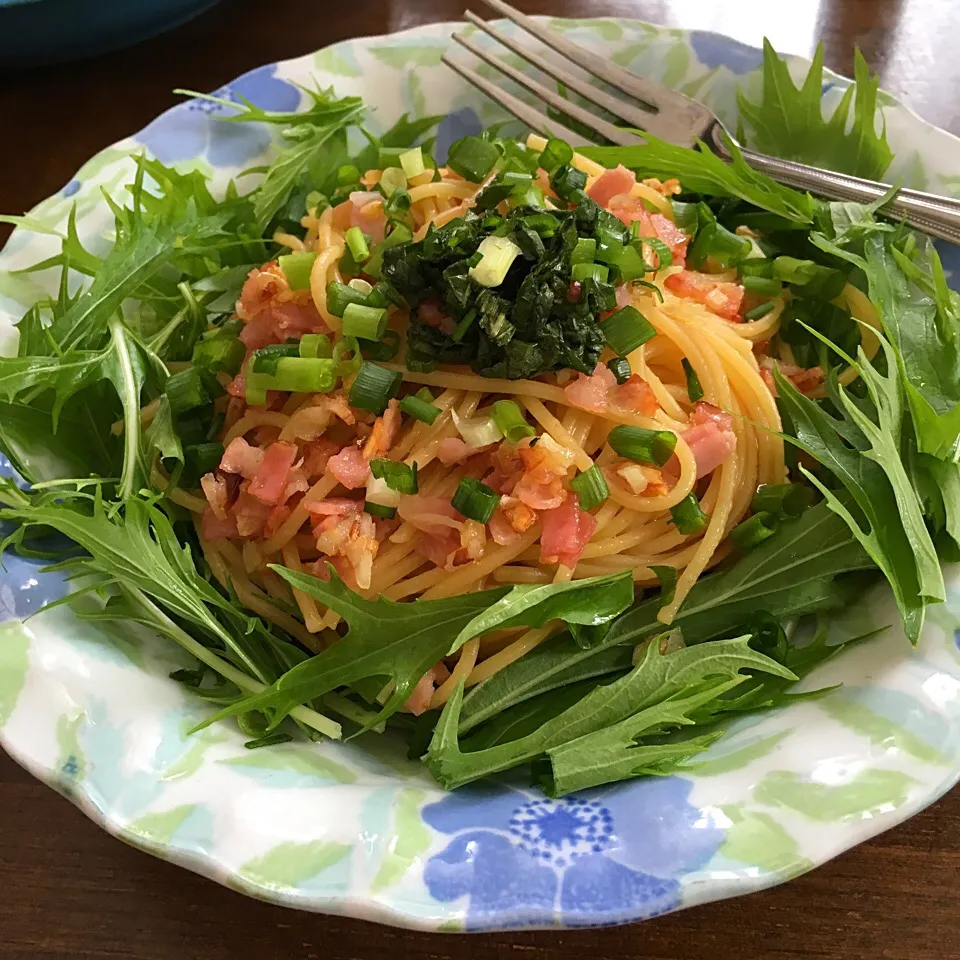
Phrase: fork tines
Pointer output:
(657, 109)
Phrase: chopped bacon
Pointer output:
(667, 188)
(419, 701)
(719, 297)
(610, 183)
(270, 481)
(262, 286)
(213, 527)
(440, 549)
(316, 455)
(453, 450)
(241, 458)
(711, 438)
(351, 534)
(258, 332)
(431, 313)
(643, 480)
(271, 312)
(501, 529)
(251, 514)
(276, 518)
(384, 433)
(566, 531)
(473, 539)
(364, 209)
(540, 496)
(215, 490)
(632, 209)
(297, 482)
(636, 395)
(349, 468)
(545, 465)
(805, 380)
(432, 515)
(591, 393)
(334, 507)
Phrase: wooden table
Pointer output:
(69, 891)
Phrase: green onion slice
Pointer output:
(782, 499)
(590, 271)
(475, 500)
(511, 421)
(688, 517)
(762, 286)
(626, 330)
(411, 162)
(379, 510)
(644, 446)
(472, 158)
(305, 375)
(591, 487)
(358, 244)
(759, 312)
(694, 389)
(419, 409)
(373, 387)
(185, 391)
(555, 154)
(620, 368)
(745, 536)
(265, 359)
(296, 268)
(367, 323)
(398, 476)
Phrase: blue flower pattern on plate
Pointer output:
(604, 856)
(713, 50)
(187, 131)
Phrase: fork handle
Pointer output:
(928, 212)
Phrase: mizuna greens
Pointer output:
(150, 327)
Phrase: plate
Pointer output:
(356, 829)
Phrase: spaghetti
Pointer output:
(296, 472)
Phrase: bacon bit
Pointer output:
(276, 519)
(637, 395)
(432, 515)
(610, 183)
(384, 433)
(540, 496)
(213, 527)
(453, 450)
(262, 286)
(546, 460)
(353, 535)
(251, 514)
(711, 438)
(270, 481)
(316, 455)
(349, 468)
(337, 404)
(440, 549)
(591, 393)
(215, 490)
(668, 188)
(241, 458)
(574, 290)
(258, 332)
(722, 298)
(431, 313)
(641, 479)
(805, 380)
(334, 507)
(297, 482)
(473, 539)
(566, 531)
(507, 469)
(365, 210)
(419, 701)
(272, 312)
(520, 517)
(500, 527)
(629, 209)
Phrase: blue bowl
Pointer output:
(37, 32)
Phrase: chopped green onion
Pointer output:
(460, 331)
(756, 268)
(201, 458)
(555, 154)
(588, 271)
(296, 268)
(685, 216)
(347, 368)
(339, 295)
(762, 286)
(591, 487)
(609, 249)
(347, 174)
(256, 386)
(663, 253)
(373, 387)
(626, 330)
(185, 391)
(694, 389)
(219, 352)
(477, 431)
(305, 375)
(400, 233)
(389, 156)
(751, 532)
(475, 500)
(585, 251)
(424, 394)
(265, 359)
(497, 256)
(568, 182)
(357, 244)
(721, 244)
(631, 265)
(687, 516)
(315, 345)
(620, 368)
(529, 196)
(363, 287)
(411, 162)
(782, 499)
(472, 158)
(379, 510)
(397, 204)
(509, 418)
(367, 323)
(397, 475)
(644, 446)
(760, 311)
(419, 409)
(544, 224)
(393, 178)
(384, 349)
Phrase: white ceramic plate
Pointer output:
(356, 829)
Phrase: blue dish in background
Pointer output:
(38, 32)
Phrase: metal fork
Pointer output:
(667, 115)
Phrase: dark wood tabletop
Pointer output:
(69, 891)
